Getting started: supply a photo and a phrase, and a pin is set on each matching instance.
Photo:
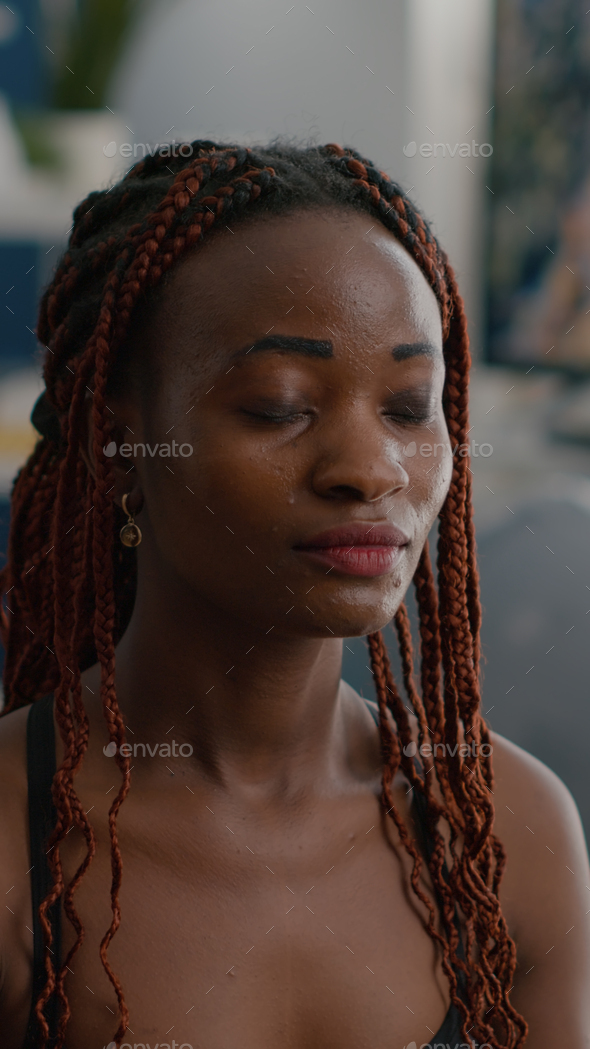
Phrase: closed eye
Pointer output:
(276, 417)
(408, 416)
(416, 405)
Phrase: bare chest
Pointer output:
(234, 933)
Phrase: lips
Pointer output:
(359, 548)
(357, 533)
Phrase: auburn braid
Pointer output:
(68, 582)
(402, 625)
(461, 614)
(29, 533)
(396, 757)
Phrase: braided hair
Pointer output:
(68, 587)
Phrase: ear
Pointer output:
(117, 449)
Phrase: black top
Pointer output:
(42, 818)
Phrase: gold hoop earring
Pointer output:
(130, 534)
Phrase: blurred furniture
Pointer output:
(535, 586)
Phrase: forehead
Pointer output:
(305, 272)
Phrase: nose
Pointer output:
(360, 461)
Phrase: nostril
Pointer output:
(347, 491)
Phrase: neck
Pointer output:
(259, 709)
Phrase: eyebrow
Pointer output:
(406, 350)
(291, 343)
(324, 348)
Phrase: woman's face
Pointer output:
(281, 444)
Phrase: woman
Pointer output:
(256, 376)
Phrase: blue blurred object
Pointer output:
(4, 523)
(25, 81)
(24, 72)
(19, 288)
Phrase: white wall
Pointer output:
(299, 78)
(449, 89)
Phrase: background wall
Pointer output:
(375, 76)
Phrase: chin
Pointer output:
(358, 630)
(356, 619)
(360, 622)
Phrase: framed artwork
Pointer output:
(538, 263)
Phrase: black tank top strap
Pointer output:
(42, 820)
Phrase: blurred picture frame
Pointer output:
(538, 258)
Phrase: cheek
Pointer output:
(218, 522)
(247, 483)
(429, 469)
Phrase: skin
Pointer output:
(236, 642)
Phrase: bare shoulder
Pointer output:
(515, 765)
(14, 851)
(545, 895)
(13, 750)
(531, 801)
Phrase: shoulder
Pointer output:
(544, 894)
(538, 822)
(525, 789)
(13, 748)
(14, 860)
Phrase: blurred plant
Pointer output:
(37, 139)
(90, 38)
(86, 39)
